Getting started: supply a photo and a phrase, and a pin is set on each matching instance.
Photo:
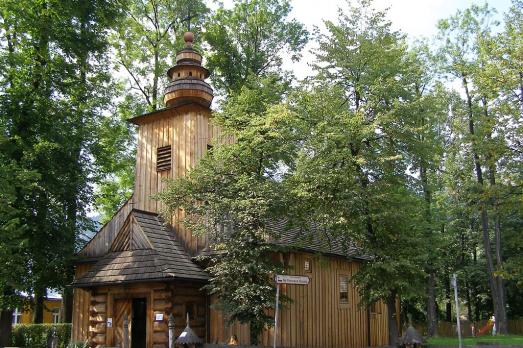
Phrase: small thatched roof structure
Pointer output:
(410, 337)
(188, 336)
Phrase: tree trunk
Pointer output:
(156, 77)
(448, 304)
(432, 325)
(38, 316)
(67, 305)
(521, 92)
(6, 320)
(432, 315)
(496, 301)
(469, 301)
(392, 322)
(501, 316)
(254, 333)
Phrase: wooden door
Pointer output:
(122, 310)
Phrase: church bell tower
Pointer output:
(172, 140)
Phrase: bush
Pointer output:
(36, 335)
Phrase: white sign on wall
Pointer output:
(158, 317)
(109, 322)
(288, 279)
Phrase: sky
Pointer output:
(416, 18)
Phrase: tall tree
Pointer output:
(147, 39)
(246, 44)
(428, 104)
(241, 193)
(363, 134)
(465, 36)
(251, 39)
(53, 92)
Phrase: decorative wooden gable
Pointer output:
(131, 237)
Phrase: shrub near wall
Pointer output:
(36, 335)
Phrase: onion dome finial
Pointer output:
(188, 37)
(188, 78)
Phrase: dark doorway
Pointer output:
(139, 323)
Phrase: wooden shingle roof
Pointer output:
(314, 238)
(143, 250)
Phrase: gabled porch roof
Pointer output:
(144, 249)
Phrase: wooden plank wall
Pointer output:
(188, 130)
(81, 302)
(102, 241)
(183, 297)
(315, 318)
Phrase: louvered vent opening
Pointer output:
(163, 158)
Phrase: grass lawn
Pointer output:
(471, 341)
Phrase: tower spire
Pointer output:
(187, 78)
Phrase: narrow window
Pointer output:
(307, 265)
(56, 315)
(344, 289)
(163, 158)
(190, 73)
(178, 74)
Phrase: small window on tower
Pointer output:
(163, 158)
(178, 74)
(190, 73)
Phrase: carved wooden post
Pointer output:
(125, 332)
(171, 331)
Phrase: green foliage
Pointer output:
(233, 194)
(508, 340)
(146, 42)
(360, 130)
(36, 335)
(115, 156)
(250, 40)
(54, 87)
(484, 157)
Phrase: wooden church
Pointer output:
(140, 268)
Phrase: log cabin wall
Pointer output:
(315, 317)
(115, 302)
(81, 303)
(190, 299)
